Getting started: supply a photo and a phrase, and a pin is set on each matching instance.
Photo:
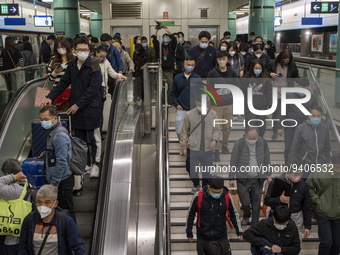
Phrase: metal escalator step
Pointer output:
(90, 183)
(86, 202)
(84, 223)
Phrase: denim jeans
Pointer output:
(329, 236)
(180, 115)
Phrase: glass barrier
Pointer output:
(12, 80)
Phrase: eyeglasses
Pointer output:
(82, 50)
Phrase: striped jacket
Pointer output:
(213, 217)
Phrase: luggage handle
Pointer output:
(69, 120)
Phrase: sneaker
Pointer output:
(195, 189)
(245, 221)
(274, 137)
(94, 171)
(225, 150)
(88, 169)
(217, 156)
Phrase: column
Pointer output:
(261, 18)
(66, 17)
(96, 24)
(232, 24)
(337, 84)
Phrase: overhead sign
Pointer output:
(15, 21)
(43, 21)
(167, 23)
(324, 7)
(311, 21)
(9, 9)
(60, 34)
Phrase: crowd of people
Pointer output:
(89, 68)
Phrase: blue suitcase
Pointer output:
(33, 168)
(39, 137)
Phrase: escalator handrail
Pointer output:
(14, 100)
(99, 225)
(23, 68)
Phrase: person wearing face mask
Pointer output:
(180, 93)
(284, 69)
(262, 94)
(290, 189)
(179, 56)
(244, 51)
(324, 188)
(114, 57)
(139, 59)
(211, 217)
(258, 53)
(294, 113)
(235, 59)
(168, 47)
(252, 38)
(222, 74)
(223, 46)
(185, 44)
(129, 66)
(86, 100)
(58, 229)
(12, 185)
(150, 51)
(198, 139)
(311, 142)
(227, 36)
(57, 157)
(251, 151)
(271, 49)
(276, 235)
(204, 55)
(59, 62)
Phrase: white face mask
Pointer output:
(280, 226)
(251, 142)
(232, 53)
(228, 40)
(222, 63)
(44, 211)
(243, 53)
(223, 48)
(258, 55)
(139, 41)
(62, 51)
(82, 56)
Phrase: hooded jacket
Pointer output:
(213, 217)
(288, 238)
(311, 144)
(299, 200)
(86, 92)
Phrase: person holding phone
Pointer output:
(58, 64)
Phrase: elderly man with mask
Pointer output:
(49, 231)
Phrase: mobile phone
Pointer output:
(58, 65)
(280, 75)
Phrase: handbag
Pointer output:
(40, 95)
(13, 213)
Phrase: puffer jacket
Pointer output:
(213, 217)
(311, 144)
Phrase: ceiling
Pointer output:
(94, 5)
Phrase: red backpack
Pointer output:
(199, 206)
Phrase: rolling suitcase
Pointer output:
(33, 168)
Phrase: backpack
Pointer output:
(199, 206)
(27, 61)
(78, 160)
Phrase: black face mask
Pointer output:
(105, 46)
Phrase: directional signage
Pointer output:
(311, 21)
(9, 9)
(324, 7)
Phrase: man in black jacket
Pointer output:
(293, 112)
(290, 189)
(248, 156)
(169, 44)
(45, 50)
(211, 225)
(311, 143)
(278, 234)
(204, 55)
(86, 100)
(223, 74)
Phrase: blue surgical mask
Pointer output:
(144, 45)
(315, 121)
(165, 39)
(257, 72)
(180, 40)
(46, 124)
(285, 63)
(204, 45)
(215, 196)
(189, 69)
